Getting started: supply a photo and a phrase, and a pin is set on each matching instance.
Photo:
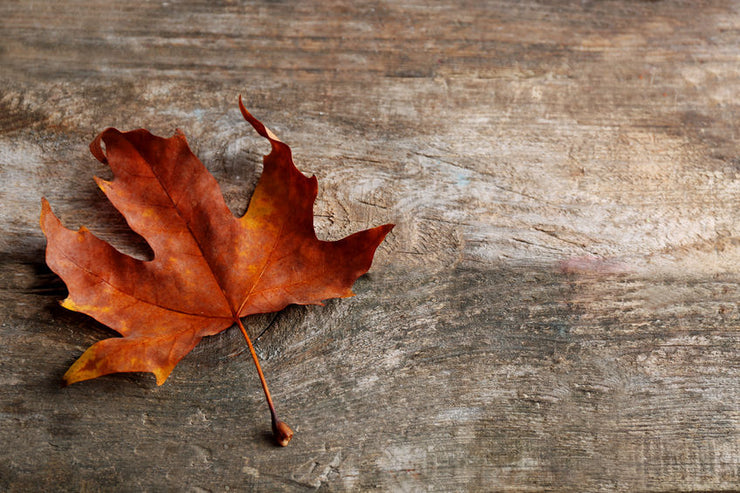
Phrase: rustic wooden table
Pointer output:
(555, 310)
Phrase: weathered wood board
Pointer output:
(557, 308)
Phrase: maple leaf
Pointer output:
(209, 267)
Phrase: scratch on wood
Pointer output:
(558, 237)
(521, 240)
(362, 201)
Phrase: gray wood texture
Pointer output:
(557, 308)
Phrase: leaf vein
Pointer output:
(148, 302)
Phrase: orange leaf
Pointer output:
(209, 268)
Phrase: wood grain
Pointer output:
(557, 308)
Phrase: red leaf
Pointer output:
(209, 268)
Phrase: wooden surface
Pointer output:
(555, 310)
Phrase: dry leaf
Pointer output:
(209, 267)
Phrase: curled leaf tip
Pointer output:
(258, 125)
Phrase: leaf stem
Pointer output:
(280, 430)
